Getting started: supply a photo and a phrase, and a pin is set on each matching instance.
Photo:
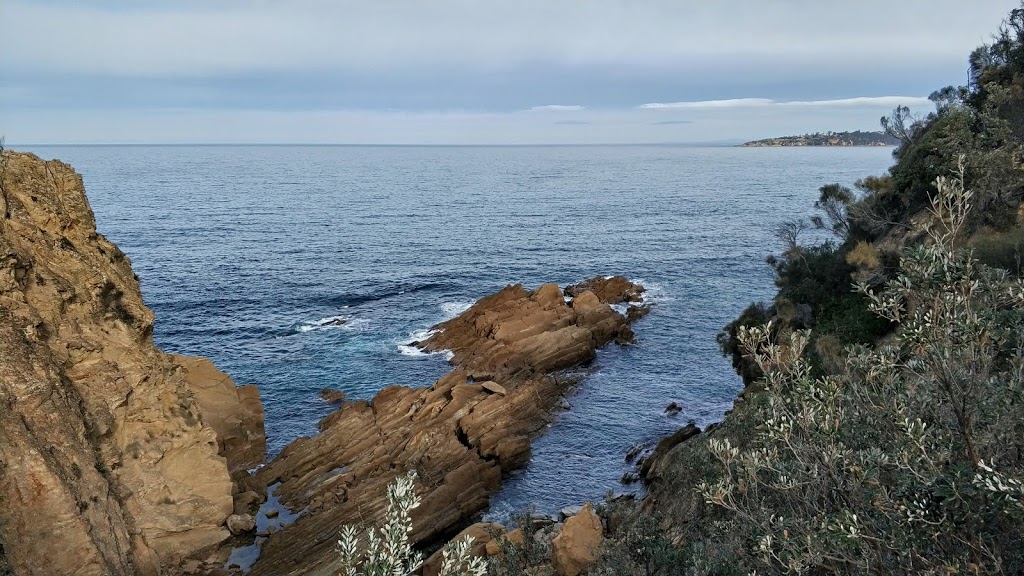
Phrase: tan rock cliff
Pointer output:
(106, 464)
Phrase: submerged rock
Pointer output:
(332, 396)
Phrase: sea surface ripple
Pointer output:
(251, 255)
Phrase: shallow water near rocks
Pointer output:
(302, 267)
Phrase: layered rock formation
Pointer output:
(460, 434)
(107, 464)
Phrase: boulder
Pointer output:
(483, 535)
(634, 313)
(514, 538)
(493, 387)
(578, 544)
(569, 511)
(240, 523)
(247, 502)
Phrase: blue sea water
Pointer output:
(245, 253)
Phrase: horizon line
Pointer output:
(726, 142)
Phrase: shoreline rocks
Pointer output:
(461, 435)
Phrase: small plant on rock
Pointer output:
(387, 551)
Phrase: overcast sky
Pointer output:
(473, 71)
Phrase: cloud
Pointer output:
(557, 108)
(606, 126)
(885, 101)
(572, 123)
(671, 122)
(189, 37)
(861, 101)
(729, 103)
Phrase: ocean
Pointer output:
(248, 254)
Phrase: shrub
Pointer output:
(640, 549)
(1001, 250)
(910, 460)
(387, 551)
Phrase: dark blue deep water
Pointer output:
(244, 251)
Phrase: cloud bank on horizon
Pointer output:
(467, 72)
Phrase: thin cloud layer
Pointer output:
(557, 108)
(166, 65)
(873, 101)
(191, 37)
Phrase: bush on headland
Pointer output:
(909, 459)
(882, 428)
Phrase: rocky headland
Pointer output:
(856, 138)
(459, 435)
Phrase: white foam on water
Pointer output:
(620, 308)
(653, 292)
(323, 324)
(407, 349)
(421, 334)
(356, 325)
(453, 309)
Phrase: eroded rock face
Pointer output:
(106, 466)
(234, 412)
(459, 435)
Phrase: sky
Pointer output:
(473, 71)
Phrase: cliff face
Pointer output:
(107, 464)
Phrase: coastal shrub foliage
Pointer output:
(387, 551)
(910, 460)
(977, 130)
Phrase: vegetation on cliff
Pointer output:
(855, 138)
(881, 428)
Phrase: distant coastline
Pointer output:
(857, 138)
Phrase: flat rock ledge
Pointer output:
(460, 435)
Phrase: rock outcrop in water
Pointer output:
(110, 459)
(460, 434)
